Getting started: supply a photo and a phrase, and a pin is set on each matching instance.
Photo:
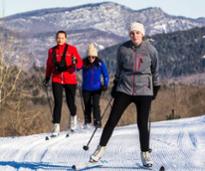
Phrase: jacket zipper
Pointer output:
(133, 77)
(62, 75)
(92, 76)
(62, 78)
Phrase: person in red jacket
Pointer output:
(63, 60)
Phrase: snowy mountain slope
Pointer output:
(178, 145)
(37, 45)
(104, 23)
(107, 16)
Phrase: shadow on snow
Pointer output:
(35, 165)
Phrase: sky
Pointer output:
(187, 8)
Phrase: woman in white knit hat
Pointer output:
(93, 69)
(136, 81)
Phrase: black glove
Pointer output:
(113, 91)
(155, 91)
(103, 88)
(74, 60)
(46, 81)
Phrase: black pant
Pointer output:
(70, 90)
(92, 101)
(121, 102)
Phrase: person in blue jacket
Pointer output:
(93, 69)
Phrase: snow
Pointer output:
(109, 21)
(99, 46)
(161, 27)
(178, 145)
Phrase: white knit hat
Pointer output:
(92, 51)
(137, 27)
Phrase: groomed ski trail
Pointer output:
(178, 145)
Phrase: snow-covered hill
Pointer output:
(107, 16)
(178, 145)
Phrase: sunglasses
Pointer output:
(91, 57)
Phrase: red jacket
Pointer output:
(68, 76)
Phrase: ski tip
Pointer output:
(148, 166)
(162, 168)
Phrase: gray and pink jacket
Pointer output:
(137, 69)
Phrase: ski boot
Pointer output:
(97, 124)
(146, 159)
(56, 130)
(87, 126)
(96, 156)
(73, 123)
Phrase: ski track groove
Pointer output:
(17, 154)
(24, 153)
(193, 139)
(167, 143)
(181, 155)
(170, 145)
(47, 144)
(57, 144)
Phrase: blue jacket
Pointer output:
(92, 75)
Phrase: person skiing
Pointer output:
(62, 62)
(93, 69)
(136, 80)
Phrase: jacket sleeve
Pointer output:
(79, 63)
(155, 67)
(49, 64)
(118, 65)
(105, 74)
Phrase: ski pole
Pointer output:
(86, 147)
(46, 90)
(49, 102)
(81, 99)
(149, 129)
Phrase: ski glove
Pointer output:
(113, 91)
(46, 81)
(155, 91)
(74, 60)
